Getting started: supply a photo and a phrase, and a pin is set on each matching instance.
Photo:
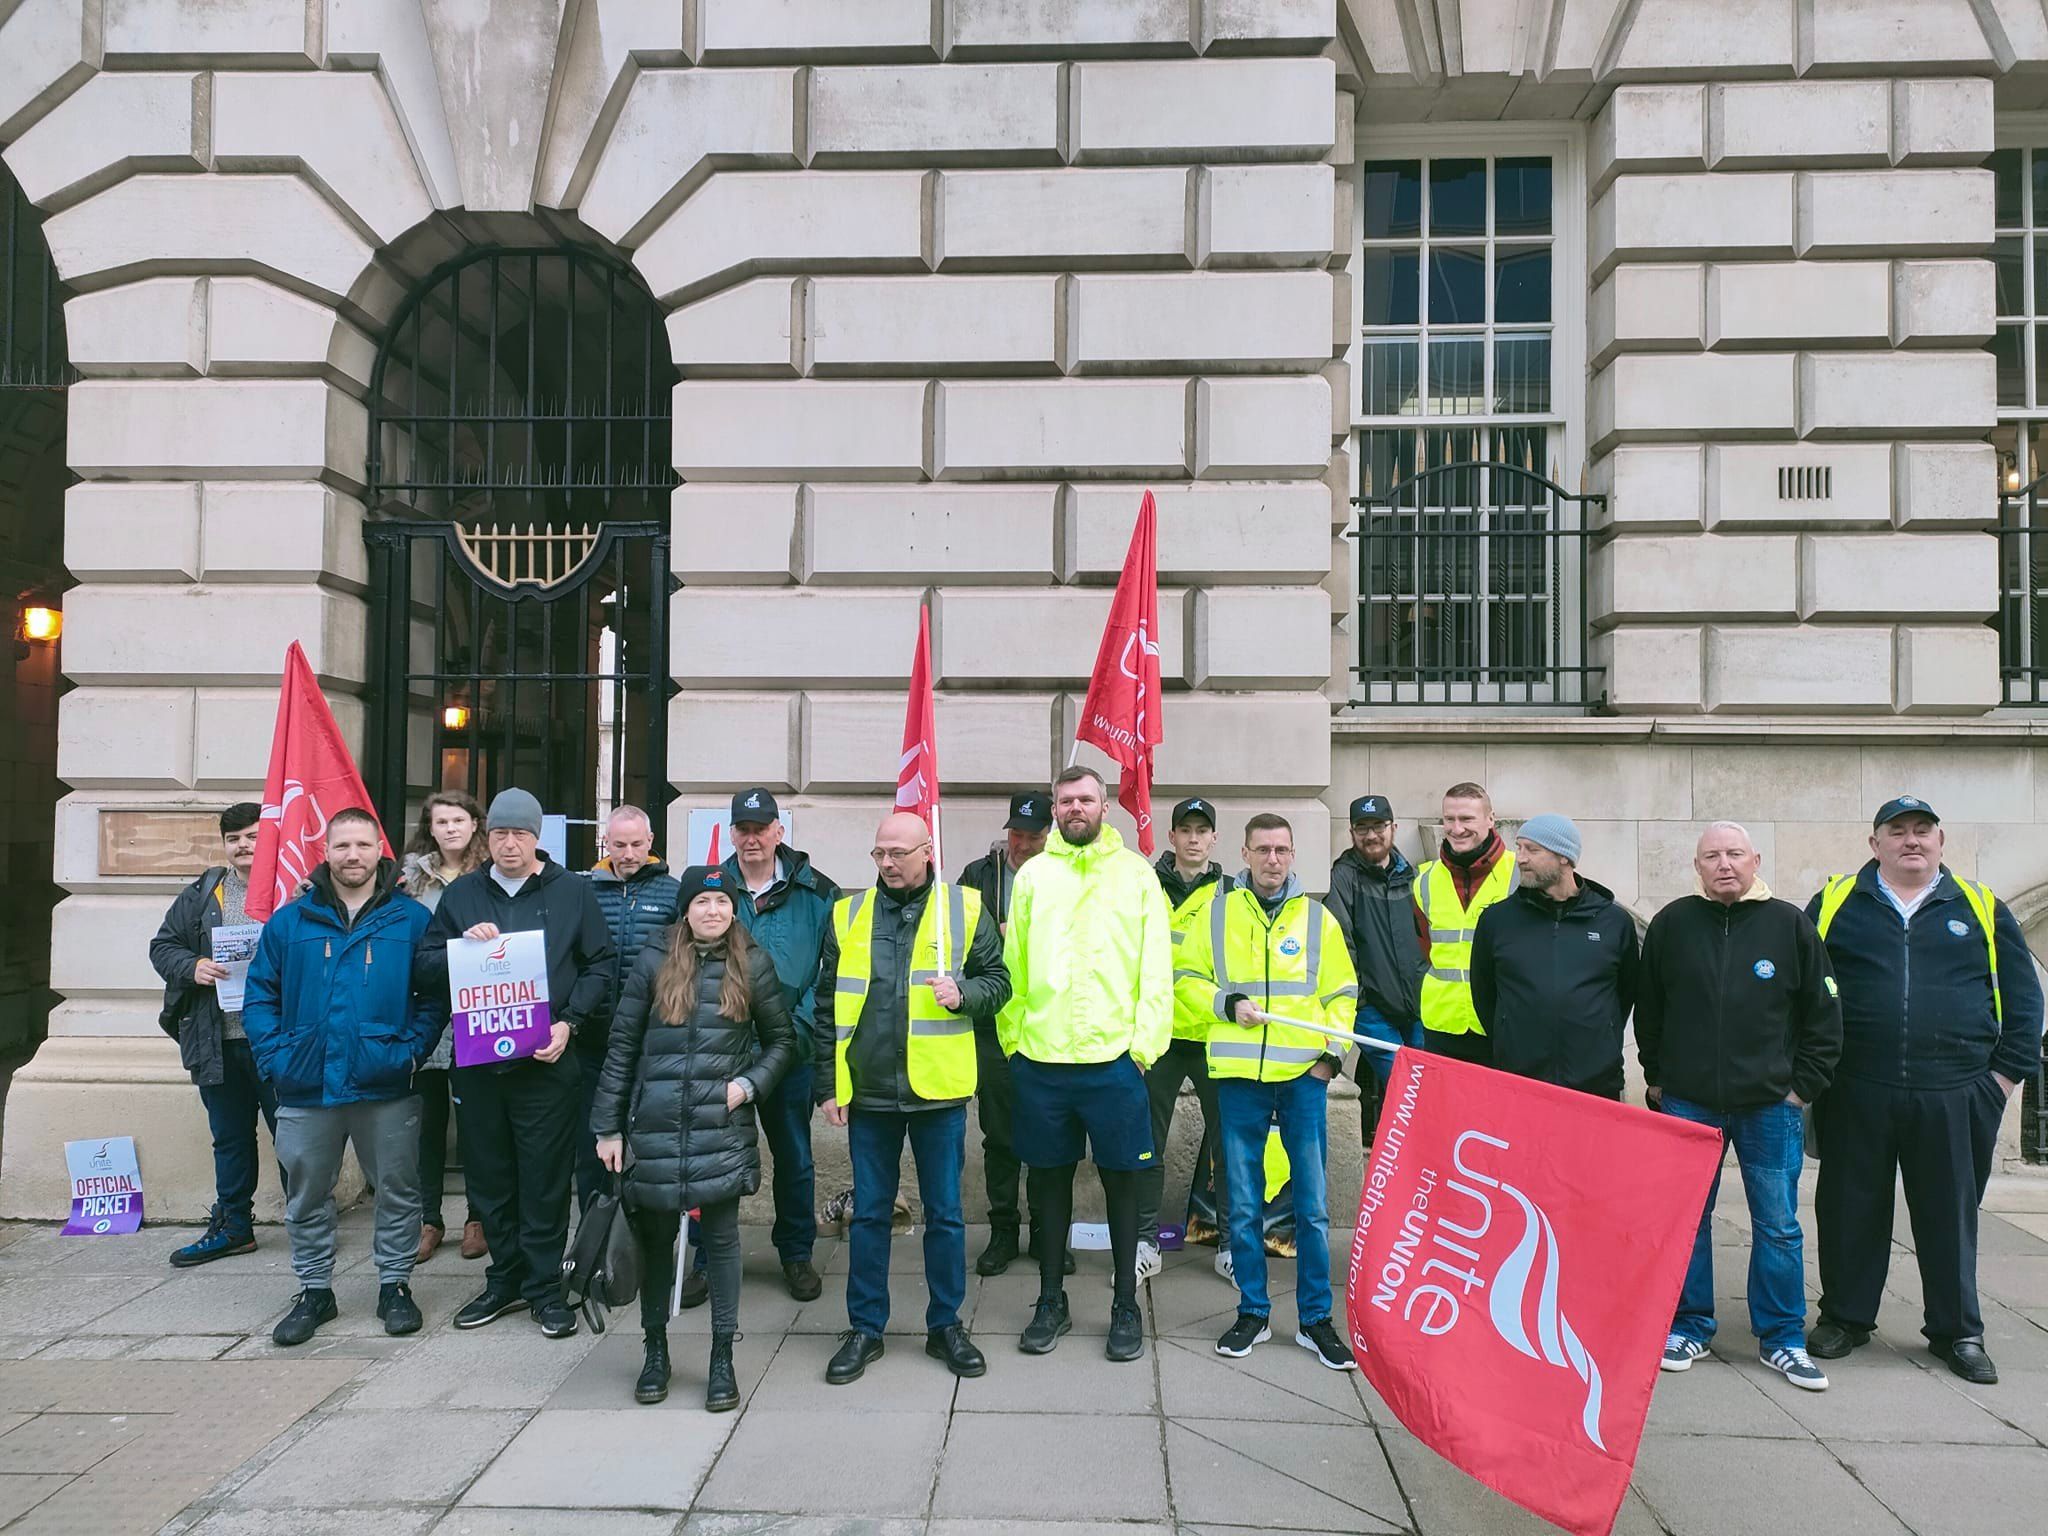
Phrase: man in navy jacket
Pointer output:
(337, 1030)
(1941, 1020)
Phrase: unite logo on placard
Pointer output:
(497, 962)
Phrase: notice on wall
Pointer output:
(106, 1187)
(498, 997)
(234, 946)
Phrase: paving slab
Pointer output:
(1282, 1476)
(909, 1296)
(553, 1522)
(1955, 1490)
(1719, 1397)
(37, 1306)
(417, 1456)
(1218, 1387)
(1875, 1397)
(22, 1492)
(388, 1521)
(604, 1377)
(1446, 1502)
(89, 1346)
(187, 1346)
(904, 1380)
(2010, 1235)
(1727, 1486)
(1014, 1384)
(800, 1462)
(511, 1364)
(69, 1442)
(1046, 1528)
(1053, 1466)
(625, 1458)
(720, 1524)
(1003, 1305)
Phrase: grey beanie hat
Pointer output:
(1557, 833)
(513, 810)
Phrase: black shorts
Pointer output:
(1059, 1104)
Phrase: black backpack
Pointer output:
(602, 1267)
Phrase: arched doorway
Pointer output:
(35, 370)
(520, 471)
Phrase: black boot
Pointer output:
(652, 1386)
(1000, 1253)
(721, 1388)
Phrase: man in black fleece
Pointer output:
(1738, 1029)
(1372, 896)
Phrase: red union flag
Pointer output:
(917, 770)
(1518, 1255)
(1121, 714)
(311, 777)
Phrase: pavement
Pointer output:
(139, 1399)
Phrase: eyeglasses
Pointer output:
(895, 855)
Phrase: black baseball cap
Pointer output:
(1194, 807)
(1903, 805)
(754, 805)
(1029, 812)
(1372, 808)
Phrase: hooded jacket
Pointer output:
(1735, 1007)
(330, 1010)
(636, 909)
(1376, 909)
(790, 920)
(191, 1013)
(1090, 956)
(991, 878)
(556, 904)
(1553, 982)
(1188, 902)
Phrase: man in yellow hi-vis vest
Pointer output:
(907, 966)
(1271, 965)
(1470, 873)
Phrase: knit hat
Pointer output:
(513, 810)
(698, 879)
(1557, 833)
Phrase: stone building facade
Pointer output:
(1740, 294)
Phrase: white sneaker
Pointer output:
(1226, 1266)
(1149, 1263)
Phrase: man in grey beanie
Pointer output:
(1554, 967)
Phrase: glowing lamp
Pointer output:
(455, 717)
(42, 625)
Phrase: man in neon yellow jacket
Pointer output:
(1090, 959)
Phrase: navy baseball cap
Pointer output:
(1372, 808)
(1903, 805)
(1029, 812)
(1193, 807)
(753, 805)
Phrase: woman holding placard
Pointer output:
(702, 1033)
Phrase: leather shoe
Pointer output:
(851, 1359)
(430, 1243)
(999, 1255)
(953, 1346)
(802, 1280)
(1966, 1358)
(473, 1244)
(1832, 1341)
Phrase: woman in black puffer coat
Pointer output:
(702, 1033)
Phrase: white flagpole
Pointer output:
(1324, 1029)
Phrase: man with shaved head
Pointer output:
(908, 966)
(1738, 1028)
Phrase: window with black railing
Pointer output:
(32, 350)
(2019, 260)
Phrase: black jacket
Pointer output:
(1917, 1009)
(991, 877)
(191, 1013)
(1376, 909)
(552, 901)
(1736, 1006)
(635, 910)
(1178, 889)
(663, 1084)
(877, 1056)
(1553, 982)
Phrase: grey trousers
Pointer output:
(386, 1136)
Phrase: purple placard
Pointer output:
(106, 1187)
(498, 998)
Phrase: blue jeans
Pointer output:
(1769, 1147)
(1375, 1025)
(232, 1106)
(938, 1145)
(785, 1120)
(1301, 1106)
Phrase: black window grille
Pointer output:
(2023, 593)
(32, 349)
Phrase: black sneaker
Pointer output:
(999, 1255)
(856, 1352)
(696, 1289)
(555, 1319)
(488, 1308)
(309, 1310)
(397, 1310)
(1240, 1336)
(1321, 1340)
(223, 1237)
(1126, 1331)
(1048, 1322)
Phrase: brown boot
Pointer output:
(473, 1244)
(430, 1240)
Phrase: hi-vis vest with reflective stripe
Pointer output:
(1191, 1016)
(1294, 967)
(940, 1050)
(1447, 984)
(1981, 901)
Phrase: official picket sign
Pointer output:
(498, 997)
(106, 1187)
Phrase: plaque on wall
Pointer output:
(181, 843)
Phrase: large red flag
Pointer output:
(311, 777)
(917, 770)
(1518, 1255)
(1121, 714)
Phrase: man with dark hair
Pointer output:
(211, 1043)
(336, 1027)
(1090, 959)
(1372, 896)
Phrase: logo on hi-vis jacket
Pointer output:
(1764, 970)
(1290, 946)
(1958, 927)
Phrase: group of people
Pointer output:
(1073, 991)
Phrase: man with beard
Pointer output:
(1090, 959)
(1372, 896)
(1471, 873)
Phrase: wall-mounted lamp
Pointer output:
(41, 625)
(455, 717)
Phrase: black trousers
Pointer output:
(519, 1131)
(433, 1088)
(1185, 1061)
(1939, 1142)
(996, 1099)
(1471, 1046)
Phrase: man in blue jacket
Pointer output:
(337, 1030)
(1941, 1020)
